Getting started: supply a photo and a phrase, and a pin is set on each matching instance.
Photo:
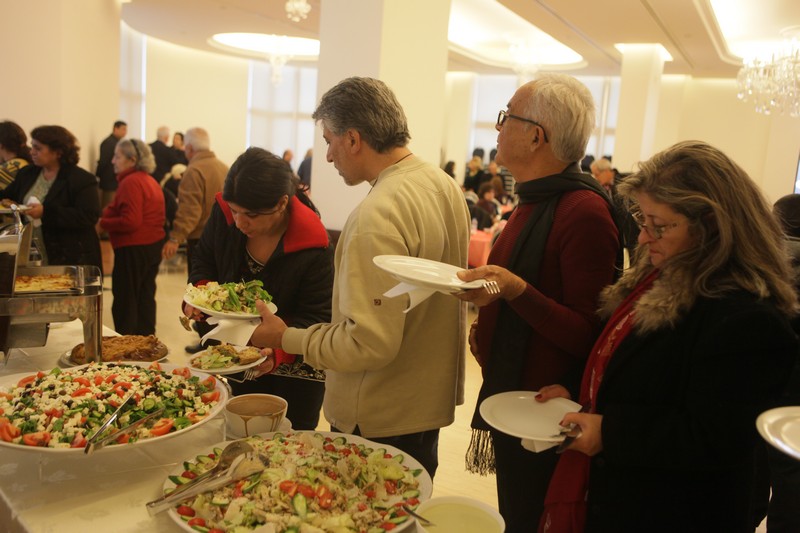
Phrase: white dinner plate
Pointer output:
(518, 414)
(425, 273)
(9, 381)
(425, 482)
(781, 428)
(65, 362)
(227, 370)
(227, 314)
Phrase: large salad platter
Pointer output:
(57, 411)
(328, 481)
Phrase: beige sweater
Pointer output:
(388, 372)
(202, 180)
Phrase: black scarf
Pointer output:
(511, 339)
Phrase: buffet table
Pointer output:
(44, 492)
(106, 491)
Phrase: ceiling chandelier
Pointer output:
(297, 10)
(773, 84)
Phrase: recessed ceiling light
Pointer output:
(260, 44)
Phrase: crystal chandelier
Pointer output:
(297, 10)
(773, 84)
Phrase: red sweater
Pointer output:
(578, 262)
(136, 215)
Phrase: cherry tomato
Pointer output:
(411, 502)
(79, 441)
(27, 380)
(306, 490)
(369, 493)
(111, 378)
(388, 526)
(289, 487)
(162, 427)
(9, 432)
(6, 395)
(185, 510)
(324, 497)
(329, 447)
(40, 438)
(208, 397)
(83, 381)
(193, 417)
(123, 439)
(209, 383)
(391, 486)
(197, 521)
(185, 372)
(154, 366)
(55, 413)
(81, 392)
(122, 388)
(333, 475)
(188, 474)
(98, 380)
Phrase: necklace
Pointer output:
(409, 154)
(252, 265)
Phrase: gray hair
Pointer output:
(162, 133)
(601, 164)
(198, 138)
(368, 106)
(140, 152)
(565, 108)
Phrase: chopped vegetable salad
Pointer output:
(233, 297)
(314, 482)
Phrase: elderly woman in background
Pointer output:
(14, 151)
(697, 342)
(264, 227)
(135, 224)
(62, 196)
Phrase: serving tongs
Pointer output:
(243, 465)
(95, 442)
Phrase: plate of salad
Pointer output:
(58, 410)
(316, 481)
(229, 300)
(227, 359)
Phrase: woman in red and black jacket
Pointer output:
(264, 227)
(134, 221)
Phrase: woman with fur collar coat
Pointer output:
(697, 343)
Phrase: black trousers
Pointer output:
(133, 284)
(191, 244)
(522, 481)
(781, 473)
(422, 446)
(304, 396)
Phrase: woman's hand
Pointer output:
(510, 285)
(35, 211)
(193, 313)
(269, 333)
(473, 339)
(268, 365)
(548, 392)
(590, 440)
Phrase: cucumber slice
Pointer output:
(179, 480)
(300, 505)
(413, 493)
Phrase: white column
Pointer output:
(642, 66)
(458, 120)
(403, 43)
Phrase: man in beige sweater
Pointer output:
(201, 181)
(392, 377)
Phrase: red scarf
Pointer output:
(565, 503)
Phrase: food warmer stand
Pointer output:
(25, 317)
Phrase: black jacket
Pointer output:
(105, 169)
(299, 275)
(679, 409)
(71, 210)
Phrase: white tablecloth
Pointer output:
(104, 492)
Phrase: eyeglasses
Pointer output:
(502, 116)
(656, 231)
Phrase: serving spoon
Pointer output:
(425, 521)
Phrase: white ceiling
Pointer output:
(687, 29)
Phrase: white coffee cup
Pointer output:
(250, 414)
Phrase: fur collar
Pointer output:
(659, 308)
